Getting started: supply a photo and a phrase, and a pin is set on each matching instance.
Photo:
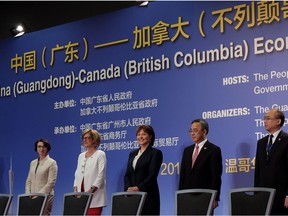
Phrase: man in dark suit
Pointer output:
(271, 166)
(206, 171)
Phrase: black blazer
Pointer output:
(145, 177)
(272, 171)
(206, 172)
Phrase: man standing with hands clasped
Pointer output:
(201, 165)
(271, 166)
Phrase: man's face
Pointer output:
(197, 134)
(271, 122)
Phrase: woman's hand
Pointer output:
(92, 189)
(215, 204)
(286, 202)
(133, 189)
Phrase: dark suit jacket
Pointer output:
(272, 172)
(206, 172)
(145, 177)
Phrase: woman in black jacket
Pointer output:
(142, 170)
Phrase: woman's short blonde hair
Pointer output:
(95, 136)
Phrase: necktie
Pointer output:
(195, 154)
(269, 143)
(269, 146)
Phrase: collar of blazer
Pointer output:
(279, 137)
(203, 146)
(277, 141)
(146, 150)
(43, 160)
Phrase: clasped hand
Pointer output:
(132, 189)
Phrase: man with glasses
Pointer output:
(271, 166)
(201, 165)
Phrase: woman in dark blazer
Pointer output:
(142, 170)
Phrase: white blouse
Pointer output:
(136, 159)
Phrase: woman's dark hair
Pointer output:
(149, 130)
(45, 142)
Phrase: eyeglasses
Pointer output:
(86, 138)
(193, 131)
(269, 118)
(43, 147)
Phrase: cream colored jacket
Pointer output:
(44, 178)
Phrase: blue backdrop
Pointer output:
(163, 65)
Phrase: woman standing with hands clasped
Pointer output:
(142, 170)
(90, 175)
(42, 173)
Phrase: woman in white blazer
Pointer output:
(42, 173)
(90, 175)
